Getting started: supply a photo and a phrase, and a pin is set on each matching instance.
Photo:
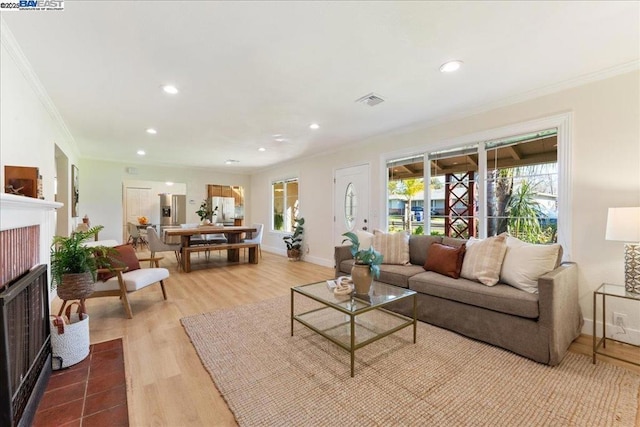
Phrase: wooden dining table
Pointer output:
(232, 233)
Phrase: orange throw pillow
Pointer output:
(126, 257)
(445, 259)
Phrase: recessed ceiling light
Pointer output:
(141, 153)
(280, 139)
(314, 126)
(169, 183)
(262, 149)
(451, 66)
(152, 131)
(170, 89)
(231, 162)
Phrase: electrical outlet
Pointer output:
(307, 248)
(619, 319)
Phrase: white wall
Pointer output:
(605, 173)
(101, 189)
(30, 125)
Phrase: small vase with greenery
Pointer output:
(367, 264)
(74, 266)
(203, 212)
(294, 241)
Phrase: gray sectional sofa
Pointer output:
(538, 326)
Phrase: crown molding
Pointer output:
(24, 66)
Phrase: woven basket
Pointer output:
(76, 286)
(70, 339)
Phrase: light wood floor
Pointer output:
(166, 383)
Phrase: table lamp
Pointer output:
(623, 224)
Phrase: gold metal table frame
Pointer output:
(616, 291)
(353, 306)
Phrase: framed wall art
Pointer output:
(75, 191)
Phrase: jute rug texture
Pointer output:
(269, 378)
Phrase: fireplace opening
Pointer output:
(25, 353)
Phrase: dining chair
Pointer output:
(134, 235)
(257, 238)
(157, 245)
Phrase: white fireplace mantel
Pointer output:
(21, 211)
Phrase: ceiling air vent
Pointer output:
(370, 99)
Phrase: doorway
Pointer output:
(351, 200)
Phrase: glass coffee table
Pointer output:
(353, 321)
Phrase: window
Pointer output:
(405, 190)
(285, 203)
(509, 184)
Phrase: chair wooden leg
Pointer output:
(123, 296)
(153, 255)
(164, 291)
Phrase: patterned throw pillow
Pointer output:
(483, 259)
(445, 259)
(393, 247)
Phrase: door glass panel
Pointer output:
(350, 207)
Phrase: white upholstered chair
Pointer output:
(257, 238)
(157, 245)
(129, 277)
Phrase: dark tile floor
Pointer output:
(91, 393)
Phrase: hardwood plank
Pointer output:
(166, 382)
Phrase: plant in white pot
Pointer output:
(74, 266)
(367, 264)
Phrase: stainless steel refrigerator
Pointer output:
(226, 211)
(173, 209)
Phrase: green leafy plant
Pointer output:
(69, 255)
(294, 241)
(369, 257)
(203, 212)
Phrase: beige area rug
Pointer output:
(269, 378)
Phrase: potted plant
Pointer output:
(74, 266)
(294, 241)
(367, 264)
(203, 212)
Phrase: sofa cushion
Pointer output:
(398, 275)
(394, 247)
(418, 246)
(453, 241)
(524, 263)
(502, 298)
(483, 259)
(445, 259)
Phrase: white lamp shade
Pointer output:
(623, 224)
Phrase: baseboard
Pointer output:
(630, 336)
(305, 257)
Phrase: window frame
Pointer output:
(287, 220)
(562, 122)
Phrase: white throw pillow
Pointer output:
(365, 238)
(483, 259)
(524, 263)
(393, 247)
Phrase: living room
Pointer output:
(603, 110)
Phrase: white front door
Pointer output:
(351, 200)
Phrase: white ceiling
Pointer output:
(250, 70)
